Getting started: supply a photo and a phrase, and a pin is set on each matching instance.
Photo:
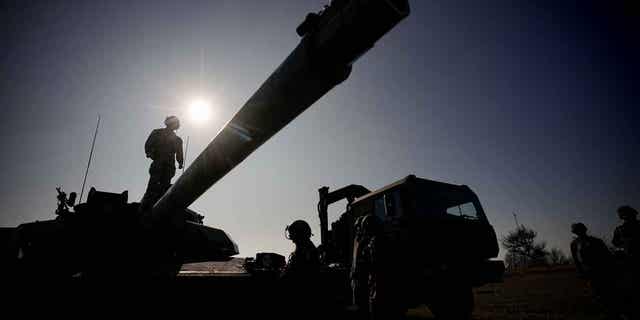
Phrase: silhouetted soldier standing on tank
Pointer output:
(164, 147)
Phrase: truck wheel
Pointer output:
(453, 303)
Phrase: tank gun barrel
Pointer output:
(332, 41)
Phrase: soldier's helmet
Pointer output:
(578, 228)
(626, 212)
(298, 230)
(172, 121)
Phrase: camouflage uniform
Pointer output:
(164, 147)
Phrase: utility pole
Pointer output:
(515, 217)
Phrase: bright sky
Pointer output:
(531, 106)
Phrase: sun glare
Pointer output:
(199, 111)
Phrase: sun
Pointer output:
(199, 110)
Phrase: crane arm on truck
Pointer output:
(350, 192)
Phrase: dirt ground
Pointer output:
(544, 294)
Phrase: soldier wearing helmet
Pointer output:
(305, 259)
(301, 273)
(627, 235)
(590, 254)
(595, 263)
(164, 147)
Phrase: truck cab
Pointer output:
(437, 233)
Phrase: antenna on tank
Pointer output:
(86, 172)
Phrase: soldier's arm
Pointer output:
(179, 153)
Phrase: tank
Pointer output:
(110, 237)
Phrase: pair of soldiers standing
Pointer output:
(613, 282)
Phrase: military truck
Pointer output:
(438, 241)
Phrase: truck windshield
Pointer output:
(464, 210)
(447, 204)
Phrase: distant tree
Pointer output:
(556, 257)
(522, 248)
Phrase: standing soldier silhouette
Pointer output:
(595, 263)
(590, 254)
(627, 235)
(304, 261)
(300, 278)
(164, 147)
